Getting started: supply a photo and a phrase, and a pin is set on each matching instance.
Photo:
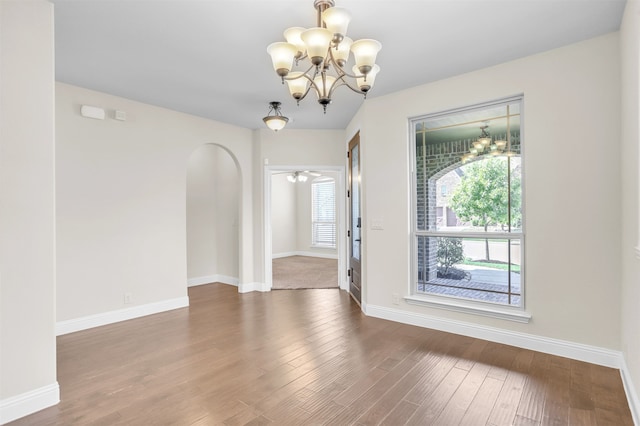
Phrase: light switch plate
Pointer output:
(377, 224)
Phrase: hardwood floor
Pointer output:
(310, 357)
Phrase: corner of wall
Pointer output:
(29, 402)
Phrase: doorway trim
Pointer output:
(341, 222)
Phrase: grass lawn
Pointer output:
(495, 265)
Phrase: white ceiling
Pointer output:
(208, 57)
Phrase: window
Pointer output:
(467, 224)
(323, 212)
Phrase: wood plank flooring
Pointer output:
(310, 357)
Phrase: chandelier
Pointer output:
(484, 145)
(327, 48)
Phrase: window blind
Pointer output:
(323, 221)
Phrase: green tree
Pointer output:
(482, 197)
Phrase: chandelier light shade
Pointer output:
(297, 86)
(293, 36)
(317, 41)
(328, 50)
(337, 21)
(365, 84)
(282, 57)
(276, 121)
(365, 52)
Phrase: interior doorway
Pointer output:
(304, 237)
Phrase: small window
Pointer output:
(467, 224)
(323, 212)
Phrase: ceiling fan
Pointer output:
(299, 175)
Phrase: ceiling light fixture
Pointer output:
(484, 143)
(277, 121)
(297, 177)
(327, 48)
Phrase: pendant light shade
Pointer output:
(276, 121)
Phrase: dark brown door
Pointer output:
(355, 221)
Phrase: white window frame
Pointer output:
(323, 180)
(452, 303)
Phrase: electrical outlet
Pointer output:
(127, 298)
(395, 298)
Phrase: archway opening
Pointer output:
(213, 217)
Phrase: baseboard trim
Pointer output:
(577, 351)
(284, 254)
(208, 279)
(306, 254)
(630, 390)
(29, 402)
(249, 287)
(105, 318)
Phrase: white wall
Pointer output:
(27, 255)
(213, 186)
(630, 58)
(571, 125)
(284, 216)
(121, 201)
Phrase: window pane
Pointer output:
(355, 202)
(323, 212)
(479, 197)
(470, 268)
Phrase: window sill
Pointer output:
(321, 246)
(469, 307)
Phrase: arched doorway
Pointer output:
(213, 216)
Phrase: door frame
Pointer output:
(340, 225)
(355, 140)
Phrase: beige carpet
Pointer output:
(295, 272)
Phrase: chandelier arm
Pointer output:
(301, 58)
(313, 84)
(304, 95)
(341, 71)
(304, 74)
(308, 87)
(346, 83)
